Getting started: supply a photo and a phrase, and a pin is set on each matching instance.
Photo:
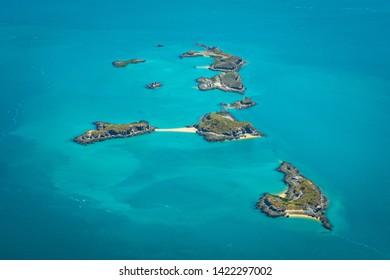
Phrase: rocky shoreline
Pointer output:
(239, 104)
(105, 131)
(303, 198)
(222, 126)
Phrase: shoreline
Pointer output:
(295, 214)
(247, 136)
(282, 194)
(179, 129)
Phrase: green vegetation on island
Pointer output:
(239, 104)
(229, 80)
(105, 130)
(222, 126)
(124, 63)
(303, 198)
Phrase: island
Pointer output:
(302, 198)
(105, 131)
(224, 62)
(222, 126)
(214, 52)
(124, 63)
(229, 82)
(239, 104)
(154, 85)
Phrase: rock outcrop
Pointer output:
(239, 104)
(154, 85)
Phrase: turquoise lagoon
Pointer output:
(319, 73)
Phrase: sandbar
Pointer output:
(180, 129)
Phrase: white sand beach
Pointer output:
(248, 136)
(180, 129)
(299, 214)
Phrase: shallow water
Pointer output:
(319, 74)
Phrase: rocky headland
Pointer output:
(302, 198)
(239, 104)
(222, 126)
(124, 63)
(105, 131)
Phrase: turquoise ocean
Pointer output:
(319, 71)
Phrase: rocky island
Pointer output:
(230, 82)
(302, 198)
(124, 63)
(222, 126)
(239, 104)
(214, 52)
(224, 62)
(105, 130)
(154, 85)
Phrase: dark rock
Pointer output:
(154, 85)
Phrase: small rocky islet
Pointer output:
(154, 85)
(302, 198)
(239, 104)
(124, 63)
(229, 82)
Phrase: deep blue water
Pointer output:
(318, 71)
